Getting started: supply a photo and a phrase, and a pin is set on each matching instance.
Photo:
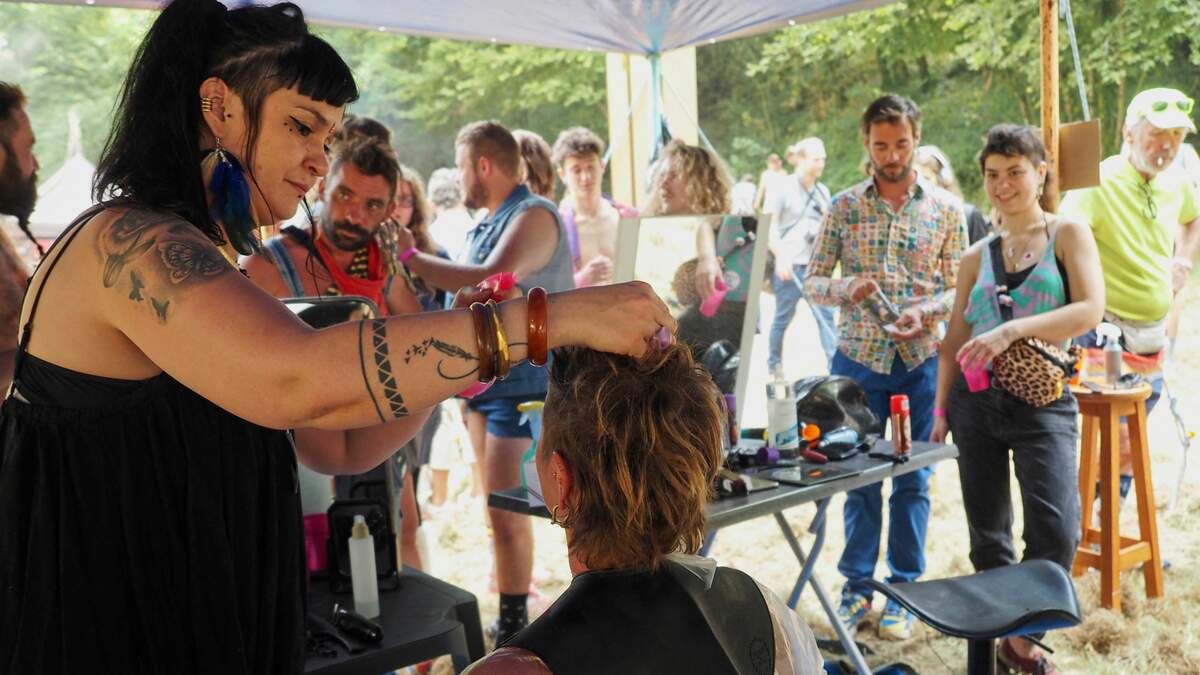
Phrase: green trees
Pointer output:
(969, 63)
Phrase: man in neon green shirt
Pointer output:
(1146, 222)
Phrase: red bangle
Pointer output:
(537, 338)
(483, 342)
(939, 412)
(407, 253)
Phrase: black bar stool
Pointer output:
(1030, 597)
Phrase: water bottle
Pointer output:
(782, 429)
(1111, 335)
(363, 579)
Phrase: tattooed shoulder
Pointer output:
(141, 249)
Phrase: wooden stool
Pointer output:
(1102, 413)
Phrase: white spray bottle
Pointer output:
(363, 580)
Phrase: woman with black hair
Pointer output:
(149, 520)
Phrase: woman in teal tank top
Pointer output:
(1052, 272)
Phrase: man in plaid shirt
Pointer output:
(900, 236)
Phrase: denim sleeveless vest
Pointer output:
(557, 275)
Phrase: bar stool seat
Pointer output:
(1102, 412)
(1029, 597)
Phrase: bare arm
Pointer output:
(7, 362)
(509, 661)
(168, 291)
(335, 451)
(525, 247)
(1185, 254)
(959, 331)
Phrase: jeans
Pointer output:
(908, 505)
(787, 294)
(986, 426)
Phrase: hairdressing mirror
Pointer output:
(709, 270)
(317, 490)
(327, 311)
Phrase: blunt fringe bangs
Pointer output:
(152, 155)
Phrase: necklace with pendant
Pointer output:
(1010, 251)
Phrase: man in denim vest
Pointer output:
(522, 234)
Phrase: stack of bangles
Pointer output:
(494, 360)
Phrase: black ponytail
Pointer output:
(152, 154)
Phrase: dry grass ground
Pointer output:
(1147, 636)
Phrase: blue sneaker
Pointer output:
(896, 622)
(853, 609)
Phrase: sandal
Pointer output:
(1015, 663)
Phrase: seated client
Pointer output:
(627, 457)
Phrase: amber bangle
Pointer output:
(535, 308)
(483, 339)
(503, 363)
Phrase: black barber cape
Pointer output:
(636, 621)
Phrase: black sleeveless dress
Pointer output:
(143, 529)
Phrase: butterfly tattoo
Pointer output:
(186, 259)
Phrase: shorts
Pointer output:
(503, 418)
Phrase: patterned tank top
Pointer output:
(1043, 290)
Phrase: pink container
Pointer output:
(316, 533)
(475, 389)
(713, 301)
(978, 379)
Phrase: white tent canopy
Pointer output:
(629, 26)
(68, 191)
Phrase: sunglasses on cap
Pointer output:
(1183, 104)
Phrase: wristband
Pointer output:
(1182, 262)
(407, 253)
(939, 412)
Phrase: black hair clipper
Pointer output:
(356, 625)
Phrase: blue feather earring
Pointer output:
(231, 201)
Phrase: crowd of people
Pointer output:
(184, 372)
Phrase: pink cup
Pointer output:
(978, 379)
(316, 532)
(713, 301)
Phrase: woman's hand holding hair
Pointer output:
(620, 319)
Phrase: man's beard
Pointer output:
(1151, 164)
(345, 236)
(892, 178)
(17, 195)
(476, 196)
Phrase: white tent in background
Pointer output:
(627, 26)
(68, 191)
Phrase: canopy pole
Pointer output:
(656, 103)
(1050, 115)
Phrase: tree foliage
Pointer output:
(969, 64)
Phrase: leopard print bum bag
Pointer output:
(1031, 369)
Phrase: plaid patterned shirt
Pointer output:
(913, 255)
